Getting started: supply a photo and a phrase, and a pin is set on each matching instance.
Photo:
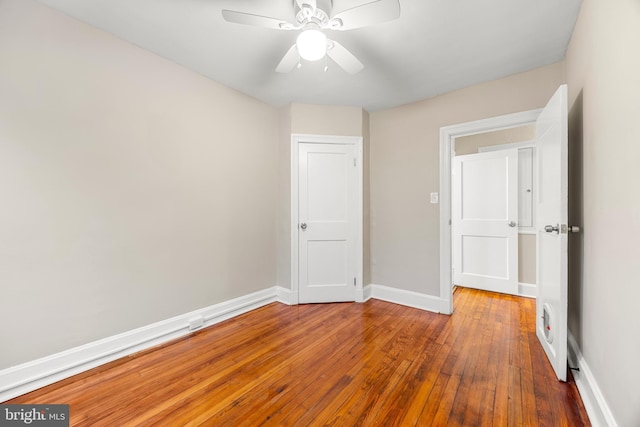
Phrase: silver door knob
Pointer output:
(551, 229)
(573, 229)
(512, 224)
(303, 225)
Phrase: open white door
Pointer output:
(485, 211)
(551, 231)
(327, 222)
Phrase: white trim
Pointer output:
(294, 216)
(528, 290)
(365, 294)
(597, 408)
(285, 296)
(448, 134)
(359, 218)
(30, 376)
(297, 139)
(522, 144)
(409, 298)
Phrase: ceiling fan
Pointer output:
(315, 16)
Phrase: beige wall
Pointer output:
(603, 73)
(405, 169)
(133, 190)
(284, 198)
(527, 258)
(470, 145)
(366, 199)
(326, 120)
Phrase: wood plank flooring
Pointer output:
(346, 364)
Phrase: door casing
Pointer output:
(297, 139)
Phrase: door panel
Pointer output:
(478, 253)
(326, 244)
(485, 211)
(326, 186)
(551, 301)
(483, 189)
(326, 262)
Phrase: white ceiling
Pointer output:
(434, 47)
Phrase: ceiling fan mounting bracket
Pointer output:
(318, 16)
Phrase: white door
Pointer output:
(485, 211)
(327, 222)
(551, 231)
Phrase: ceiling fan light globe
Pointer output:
(312, 45)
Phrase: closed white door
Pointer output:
(485, 211)
(327, 222)
(551, 231)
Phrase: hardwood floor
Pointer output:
(347, 364)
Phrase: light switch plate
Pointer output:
(434, 198)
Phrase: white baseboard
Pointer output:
(597, 408)
(287, 296)
(527, 290)
(364, 294)
(408, 298)
(30, 376)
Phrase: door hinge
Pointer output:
(354, 281)
(354, 162)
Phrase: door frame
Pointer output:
(296, 140)
(448, 135)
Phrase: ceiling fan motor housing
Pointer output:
(317, 16)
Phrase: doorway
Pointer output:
(448, 136)
(495, 209)
(326, 218)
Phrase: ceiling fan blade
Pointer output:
(370, 13)
(344, 58)
(289, 60)
(256, 20)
